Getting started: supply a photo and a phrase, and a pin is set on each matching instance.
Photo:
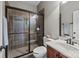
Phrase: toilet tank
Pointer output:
(45, 40)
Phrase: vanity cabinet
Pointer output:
(52, 53)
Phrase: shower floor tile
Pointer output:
(20, 51)
(13, 53)
(17, 52)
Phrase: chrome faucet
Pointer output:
(69, 41)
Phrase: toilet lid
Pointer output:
(40, 50)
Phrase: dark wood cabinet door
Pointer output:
(51, 53)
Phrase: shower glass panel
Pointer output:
(33, 32)
(18, 28)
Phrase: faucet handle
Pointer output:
(73, 43)
(73, 37)
(66, 41)
(69, 41)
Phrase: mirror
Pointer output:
(69, 16)
(76, 24)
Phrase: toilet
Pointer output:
(41, 51)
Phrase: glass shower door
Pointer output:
(22, 30)
(33, 31)
(18, 28)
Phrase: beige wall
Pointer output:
(51, 18)
(21, 5)
(67, 13)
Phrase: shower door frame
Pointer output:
(9, 7)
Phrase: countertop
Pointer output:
(61, 46)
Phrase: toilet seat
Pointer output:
(39, 51)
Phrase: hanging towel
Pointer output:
(5, 32)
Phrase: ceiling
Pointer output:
(34, 3)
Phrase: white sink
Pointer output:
(68, 47)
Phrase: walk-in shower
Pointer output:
(22, 31)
